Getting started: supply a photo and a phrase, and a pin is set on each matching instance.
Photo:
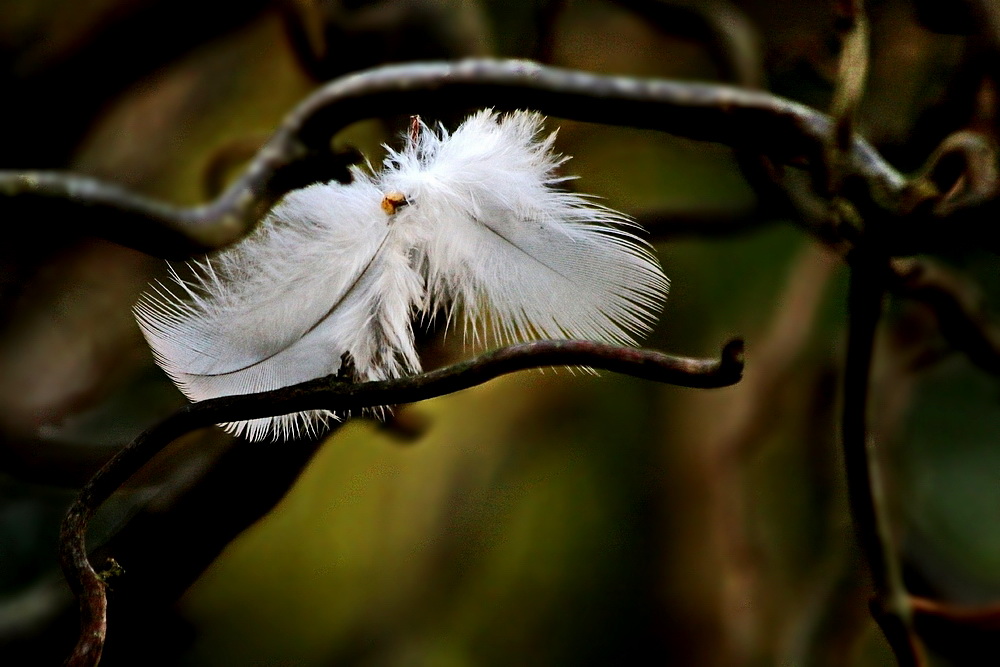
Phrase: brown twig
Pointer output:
(962, 170)
(866, 294)
(331, 38)
(957, 305)
(890, 605)
(106, 210)
(962, 634)
(852, 70)
(961, 173)
(725, 30)
(982, 617)
(332, 393)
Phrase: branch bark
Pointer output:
(890, 604)
(332, 393)
(298, 152)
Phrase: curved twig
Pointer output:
(852, 71)
(962, 172)
(98, 208)
(984, 617)
(785, 131)
(959, 308)
(722, 27)
(335, 394)
(890, 604)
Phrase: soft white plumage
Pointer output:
(471, 220)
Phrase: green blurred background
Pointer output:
(545, 518)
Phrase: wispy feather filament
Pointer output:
(470, 223)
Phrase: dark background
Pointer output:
(542, 519)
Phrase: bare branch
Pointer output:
(852, 71)
(789, 132)
(724, 29)
(958, 306)
(890, 605)
(335, 394)
(298, 153)
(961, 173)
(89, 206)
(981, 617)
(960, 634)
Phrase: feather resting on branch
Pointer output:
(471, 221)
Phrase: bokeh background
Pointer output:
(542, 519)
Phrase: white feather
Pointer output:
(335, 272)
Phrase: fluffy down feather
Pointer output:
(470, 222)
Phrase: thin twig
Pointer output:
(957, 305)
(332, 393)
(890, 604)
(98, 208)
(960, 174)
(981, 617)
(852, 71)
(722, 27)
(960, 634)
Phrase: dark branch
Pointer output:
(91, 207)
(984, 618)
(784, 131)
(958, 306)
(960, 174)
(724, 29)
(852, 71)
(334, 394)
(890, 605)
(961, 634)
